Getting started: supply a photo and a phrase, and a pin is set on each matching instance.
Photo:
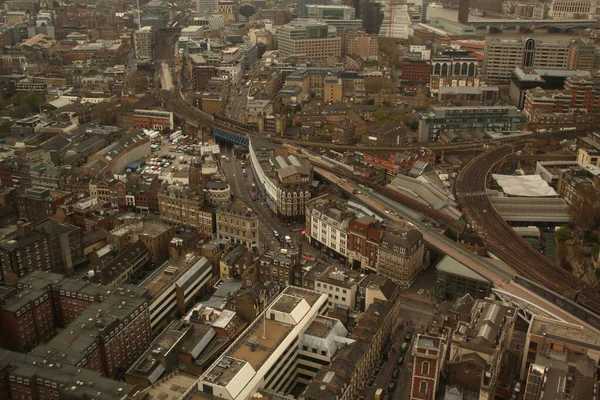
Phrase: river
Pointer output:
(508, 34)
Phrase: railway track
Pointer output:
(504, 242)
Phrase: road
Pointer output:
(267, 222)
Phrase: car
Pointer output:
(223, 156)
(276, 234)
(400, 360)
(408, 336)
(392, 386)
(370, 382)
(395, 373)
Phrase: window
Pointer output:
(425, 368)
(423, 387)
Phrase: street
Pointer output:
(241, 186)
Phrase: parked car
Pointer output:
(400, 360)
(408, 336)
(392, 386)
(395, 373)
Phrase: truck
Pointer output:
(378, 394)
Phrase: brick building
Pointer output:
(153, 119)
(36, 204)
(364, 238)
(416, 72)
(430, 353)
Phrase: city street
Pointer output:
(241, 186)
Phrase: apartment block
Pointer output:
(65, 243)
(33, 377)
(401, 254)
(238, 223)
(143, 39)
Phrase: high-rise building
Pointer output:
(143, 43)
(463, 12)
(372, 16)
(309, 39)
(206, 6)
(396, 21)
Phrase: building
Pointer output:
(155, 235)
(470, 118)
(364, 238)
(396, 21)
(352, 367)
(143, 41)
(429, 362)
(182, 206)
(155, 14)
(173, 288)
(119, 154)
(361, 44)
(28, 252)
(238, 223)
(33, 377)
(283, 179)
(309, 39)
(454, 280)
(463, 11)
(503, 56)
(401, 254)
(341, 287)
(276, 349)
(153, 119)
(372, 16)
(416, 72)
(478, 347)
(107, 337)
(65, 243)
(558, 355)
(123, 267)
(36, 204)
(279, 268)
(572, 9)
(301, 6)
(327, 219)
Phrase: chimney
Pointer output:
(24, 228)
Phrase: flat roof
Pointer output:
(276, 332)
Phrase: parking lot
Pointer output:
(169, 158)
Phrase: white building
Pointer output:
(327, 220)
(288, 341)
(396, 21)
(572, 9)
(143, 43)
(340, 285)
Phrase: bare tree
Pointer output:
(585, 208)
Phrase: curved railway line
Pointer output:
(505, 243)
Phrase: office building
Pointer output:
(572, 9)
(479, 345)
(318, 11)
(174, 287)
(156, 14)
(181, 205)
(237, 223)
(341, 287)
(396, 21)
(309, 39)
(143, 40)
(503, 56)
(301, 9)
(284, 179)
(476, 118)
(206, 6)
(401, 254)
(463, 12)
(65, 243)
(372, 17)
(154, 234)
(287, 339)
(429, 361)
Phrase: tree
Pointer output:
(104, 112)
(563, 233)
(5, 128)
(389, 47)
(33, 101)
